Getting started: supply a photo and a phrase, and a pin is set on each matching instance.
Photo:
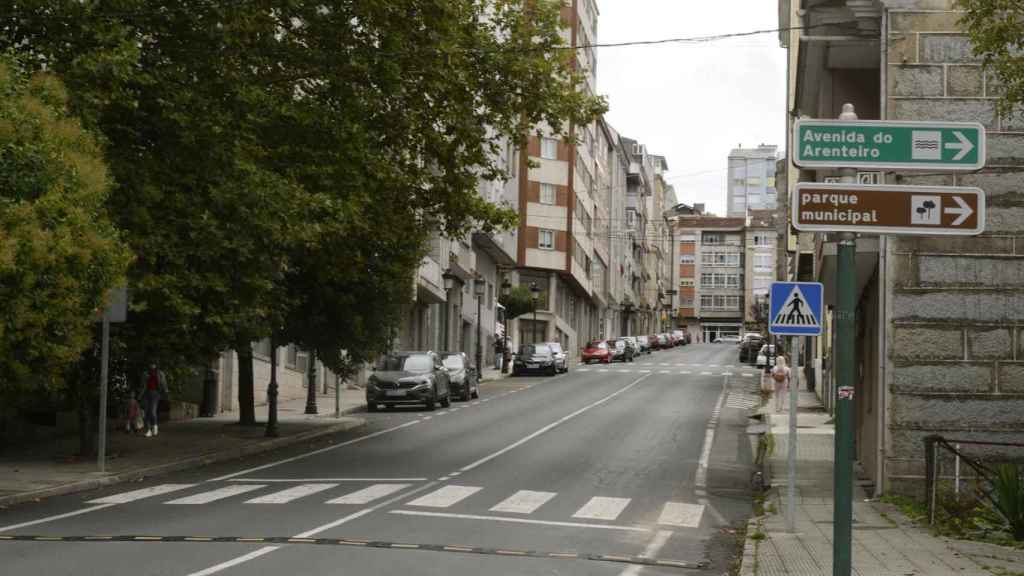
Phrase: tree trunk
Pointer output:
(246, 394)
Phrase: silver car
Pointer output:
(561, 359)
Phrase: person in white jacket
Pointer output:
(780, 375)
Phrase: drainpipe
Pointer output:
(882, 397)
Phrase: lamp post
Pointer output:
(311, 388)
(506, 291)
(478, 288)
(535, 295)
(449, 283)
(271, 430)
(671, 306)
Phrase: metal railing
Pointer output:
(977, 479)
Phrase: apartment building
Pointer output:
(711, 252)
(938, 318)
(751, 180)
(761, 244)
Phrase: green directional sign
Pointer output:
(896, 145)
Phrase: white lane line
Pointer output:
(705, 373)
(314, 452)
(681, 514)
(369, 494)
(664, 371)
(712, 365)
(442, 412)
(726, 374)
(602, 508)
(583, 369)
(685, 372)
(235, 561)
(523, 502)
(519, 520)
(651, 551)
(218, 494)
(645, 371)
(728, 366)
(315, 480)
(134, 495)
(445, 496)
(748, 374)
(289, 494)
(57, 517)
(558, 422)
(701, 480)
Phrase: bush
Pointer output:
(1009, 497)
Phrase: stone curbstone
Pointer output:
(179, 465)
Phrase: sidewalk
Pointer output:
(50, 468)
(885, 543)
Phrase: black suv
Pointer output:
(408, 378)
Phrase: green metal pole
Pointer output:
(846, 305)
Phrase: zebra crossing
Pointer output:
(521, 503)
(742, 400)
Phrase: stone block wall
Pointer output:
(956, 338)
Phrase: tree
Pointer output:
(281, 164)
(519, 301)
(996, 29)
(59, 252)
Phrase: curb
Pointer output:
(749, 559)
(178, 465)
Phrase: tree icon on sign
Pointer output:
(929, 206)
(921, 210)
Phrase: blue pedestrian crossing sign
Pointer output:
(795, 309)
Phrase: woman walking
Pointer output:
(780, 375)
(154, 383)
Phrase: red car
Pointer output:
(597, 351)
(654, 342)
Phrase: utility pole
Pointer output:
(846, 304)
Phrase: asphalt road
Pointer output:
(623, 469)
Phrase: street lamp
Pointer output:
(535, 295)
(449, 283)
(506, 291)
(271, 430)
(671, 293)
(311, 388)
(478, 288)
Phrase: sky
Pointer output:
(694, 103)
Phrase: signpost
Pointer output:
(888, 209)
(892, 145)
(116, 311)
(848, 208)
(794, 309)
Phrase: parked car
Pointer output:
(749, 349)
(408, 378)
(561, 358)
(727, 339)
(463, 377)
(664, 341)
(621, 350)
(679, 337)
(644, 343)
(597, 351)
(634, 343)
(654, 342)
(534, 358)
(765, 355)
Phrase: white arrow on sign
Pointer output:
(964, 211)
(964, 145)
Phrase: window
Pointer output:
(686, 259)
(732, 280)
(763, 261)
(549, 148)
(762, 239)
(688, 238)
(686, 282)
(720, 259)
(712, 239)
(686, 301)
(719, 302)
(547, 193)
(630, 219)
(707, 301)
(546, 240)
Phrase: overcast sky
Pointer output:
(694, 103)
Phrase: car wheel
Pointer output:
(553, 371)
(371, 406)
(431, 401)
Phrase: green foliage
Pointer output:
(1009, 497)
(996, 29)
(59, 252)
(280, 165)
(519, 301)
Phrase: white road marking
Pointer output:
(701, 480)
(681, 514)
(664, 371)
(218, 494)
(558, 422)
(314, 452)
(645, 371)
(314, 480)
(235, 561)
(726, 374)
(685, 372)
(475, 403)
(134, 495)
(583, 369)
(369, 494)
(445, 496)
(523, 502)
(748, 374)
(442, 412)
(57, 517)
(602, 369)
(712, 365)
(290, 494)
(705, 373)
(651, 551)
(520, 520)
(602, 508)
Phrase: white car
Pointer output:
(728, 339)
(767, 351)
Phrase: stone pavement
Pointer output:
(885, 542)
(51, 468)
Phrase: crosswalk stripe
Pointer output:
(523, 502)
(293, 493)
(685, 372)
(369, 494)
(602, 508)
(445, 496)
(748, 374)
(681, 514)
(125, 497)
(705, 373)
(664, 371)
(583, 369)
(726, 373)
(218, 494)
